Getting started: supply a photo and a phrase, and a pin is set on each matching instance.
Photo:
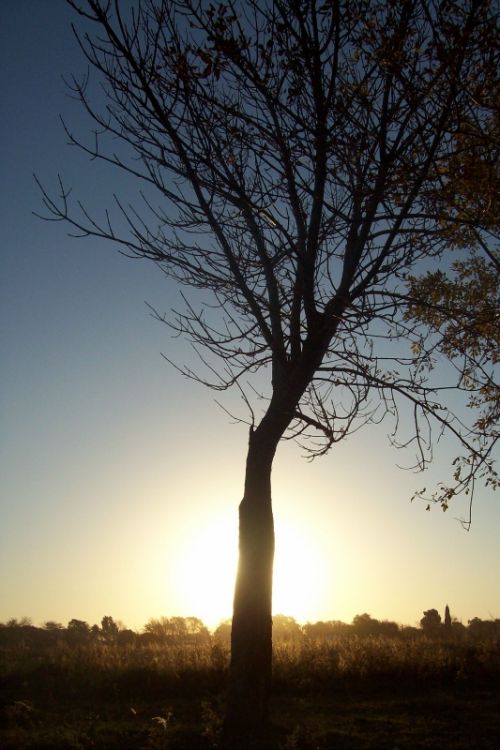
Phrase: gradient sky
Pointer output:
(120, 480)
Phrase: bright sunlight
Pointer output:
(298, 573)
(207, 570)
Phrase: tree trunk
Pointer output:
(251, 636)
(247, 714)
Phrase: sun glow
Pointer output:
(206, 573)
(298, 573)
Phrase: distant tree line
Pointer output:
(192, 631)
(173, 630)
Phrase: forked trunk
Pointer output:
(251, 635)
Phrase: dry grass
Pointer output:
(349, 692)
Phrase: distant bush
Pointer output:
(176, 630)
(484, 629)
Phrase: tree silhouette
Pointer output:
(78, 630)
(286, 629)
(447, 619)
(431, 622)
(365, 625)
(53, 626)
(293, 158)
(177, 630)
(109, 629)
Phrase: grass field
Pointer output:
(349, 693)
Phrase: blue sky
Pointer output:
(120, 480)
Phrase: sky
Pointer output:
(119, 479)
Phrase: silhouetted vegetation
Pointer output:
(106, 686)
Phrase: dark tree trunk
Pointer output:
(251, 636)
(247, 714)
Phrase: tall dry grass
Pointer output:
(147, 668)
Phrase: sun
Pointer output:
(206, 572)
(298, 572)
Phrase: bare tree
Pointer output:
(292, 156)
